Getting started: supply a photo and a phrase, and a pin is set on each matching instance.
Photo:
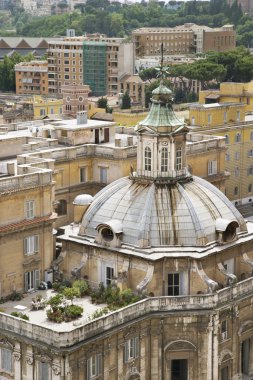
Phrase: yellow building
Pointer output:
(228, 120)
(45, 106)
(26, 229)
(230, 92)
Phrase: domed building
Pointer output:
(178, 241)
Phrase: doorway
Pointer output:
(179, 369)
(106, 135)
(32, 280)
(245, 356)
(96, 136)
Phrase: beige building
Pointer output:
(26, 227)
(183, 39)
(32, 78)
(135, 87)
(92, 60)
(173, 238)
(75, 99)
(228, 120)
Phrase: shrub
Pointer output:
(20, 315)
(73, 311)
(99, 313)
(15, 296)
(82, 286)
(70, 293)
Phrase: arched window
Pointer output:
(148, 158)
(164, 160)
(179, 159)
(238, 137)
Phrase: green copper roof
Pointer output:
(161, 117)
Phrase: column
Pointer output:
(29, 363)
(251, 357)
(142, 358)
(17, 361)
(56, 370)
(120, 362)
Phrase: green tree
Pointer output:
(126, 101)
(102, 102)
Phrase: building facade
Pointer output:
(175, 239)
(32, 78)
(183, 40)
(92, 60)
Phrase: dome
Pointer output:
(191, 212)
(83, 199)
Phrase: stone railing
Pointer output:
(85, 330)
(203, 146)
(21, 182)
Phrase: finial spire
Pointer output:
(162, 70)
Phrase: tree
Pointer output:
(102, 102)
(126, 101)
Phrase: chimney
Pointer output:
(81, 117)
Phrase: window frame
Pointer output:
(29, 209)
(83, 174)
(179, 162)
(8, 353)
(164, 159)
(131, 349)
(31, 245)
(147, 159)
(174, 285)
(94, 366)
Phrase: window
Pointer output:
(250, 153)
(209, 118)
(212, 167)
(82, 174)
(251, 135)
(179, 159)
(225, 116)
(29, 209)
(238, 137)
(173, 284)
(147, 158)
(237, 171)
(250, 170)
(224, 330)
(131, 349)
(94, 366)
(226, 139)
(250, 188)
(164, 160)
(227, 157)
(237, 155)
(109, 275)
(44, 371)
(42, 112)
(6, 360)
(62, 207)
(32, 280)
(236, 190)
(238, 114)
(103, 175)
(31, 245)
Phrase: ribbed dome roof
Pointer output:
(181, 214)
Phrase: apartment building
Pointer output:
(183, 40)
(32, 78)
(228, 120)
(92, 60)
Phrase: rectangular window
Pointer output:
(173, 284)
(209, 118)
(103, 175)
(179, 159)
(212, 167)
(44, 371)
(224, 330)
(29, 209)
(131, 349)
(109, 275)
(31, 245)
(94, 366)
(6, 360)
(82, 174)
(42, 112)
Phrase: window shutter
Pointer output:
(37, 278)
(26, 281)
(126, 351)
(88, 369)
(136, 347)
(25, 246)
(99, 364)
(36, 243)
